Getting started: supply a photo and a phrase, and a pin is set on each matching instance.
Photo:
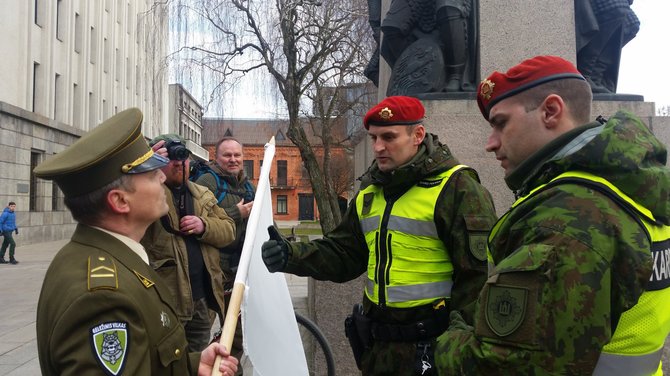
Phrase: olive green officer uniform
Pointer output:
(102, 309)
(96, 282)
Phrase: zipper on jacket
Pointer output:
(384, 256)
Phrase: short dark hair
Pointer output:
(90, 207)
(11, 203)
(224, 139)
(575, 93)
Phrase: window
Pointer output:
(76, 106)
(77, 33)
(57, 95)
(39, 12)
(248, 168)
(35, 158)
(119, 65)
(92, 113)
(282, 204)
(129, 73)
(281, 173)
(94, 46)
(57, 203)
(37, 84)
(60, 21)
(105, 51)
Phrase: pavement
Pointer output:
(20, 287)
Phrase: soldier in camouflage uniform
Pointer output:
(583, 285)
(419, 222)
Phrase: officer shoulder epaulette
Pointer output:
(102, 273)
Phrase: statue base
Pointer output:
(620, 97)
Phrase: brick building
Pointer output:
(292, 196)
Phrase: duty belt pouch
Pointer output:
(357, 328)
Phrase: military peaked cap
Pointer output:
(112, 149)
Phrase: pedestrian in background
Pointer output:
(583, 284)
(8, 226)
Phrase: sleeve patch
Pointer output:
(110, 342)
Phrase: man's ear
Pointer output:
(117, 201)
(553, 110)
(419, 134)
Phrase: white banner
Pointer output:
(271, 337)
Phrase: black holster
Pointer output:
(357, 328)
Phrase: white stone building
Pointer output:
(186, 119)
(66, 66)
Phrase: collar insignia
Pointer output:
(385, 113)
(145, 281)
(487, 89)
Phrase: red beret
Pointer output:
(527, 74)
(396, 110)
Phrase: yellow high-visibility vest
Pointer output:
(408, 264)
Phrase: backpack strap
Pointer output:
(221, 186)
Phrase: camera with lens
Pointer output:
(177, 151)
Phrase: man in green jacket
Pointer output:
(582, 284)
(183, 245)
(102, 308)
(417, 229)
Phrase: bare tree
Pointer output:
(306, 46)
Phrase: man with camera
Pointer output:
(183, 244)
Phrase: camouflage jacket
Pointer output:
(574, 260)
(464, 209)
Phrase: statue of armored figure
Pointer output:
(430, 45)
(602, 28)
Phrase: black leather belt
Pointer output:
(416, 331)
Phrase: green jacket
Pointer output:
(573, 262)
(464, 213)
(169, 257)
(97, 281)
(230, 253)
(464, 209)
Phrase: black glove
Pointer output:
(275, 251)
(16, 230)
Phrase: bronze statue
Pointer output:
(602, 28)
(431, 45)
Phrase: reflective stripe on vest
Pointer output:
(408, 264)
(637, 343)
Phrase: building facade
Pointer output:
(185, 119)
(68, 65)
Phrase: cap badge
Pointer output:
(385, 113)
(487, 89)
